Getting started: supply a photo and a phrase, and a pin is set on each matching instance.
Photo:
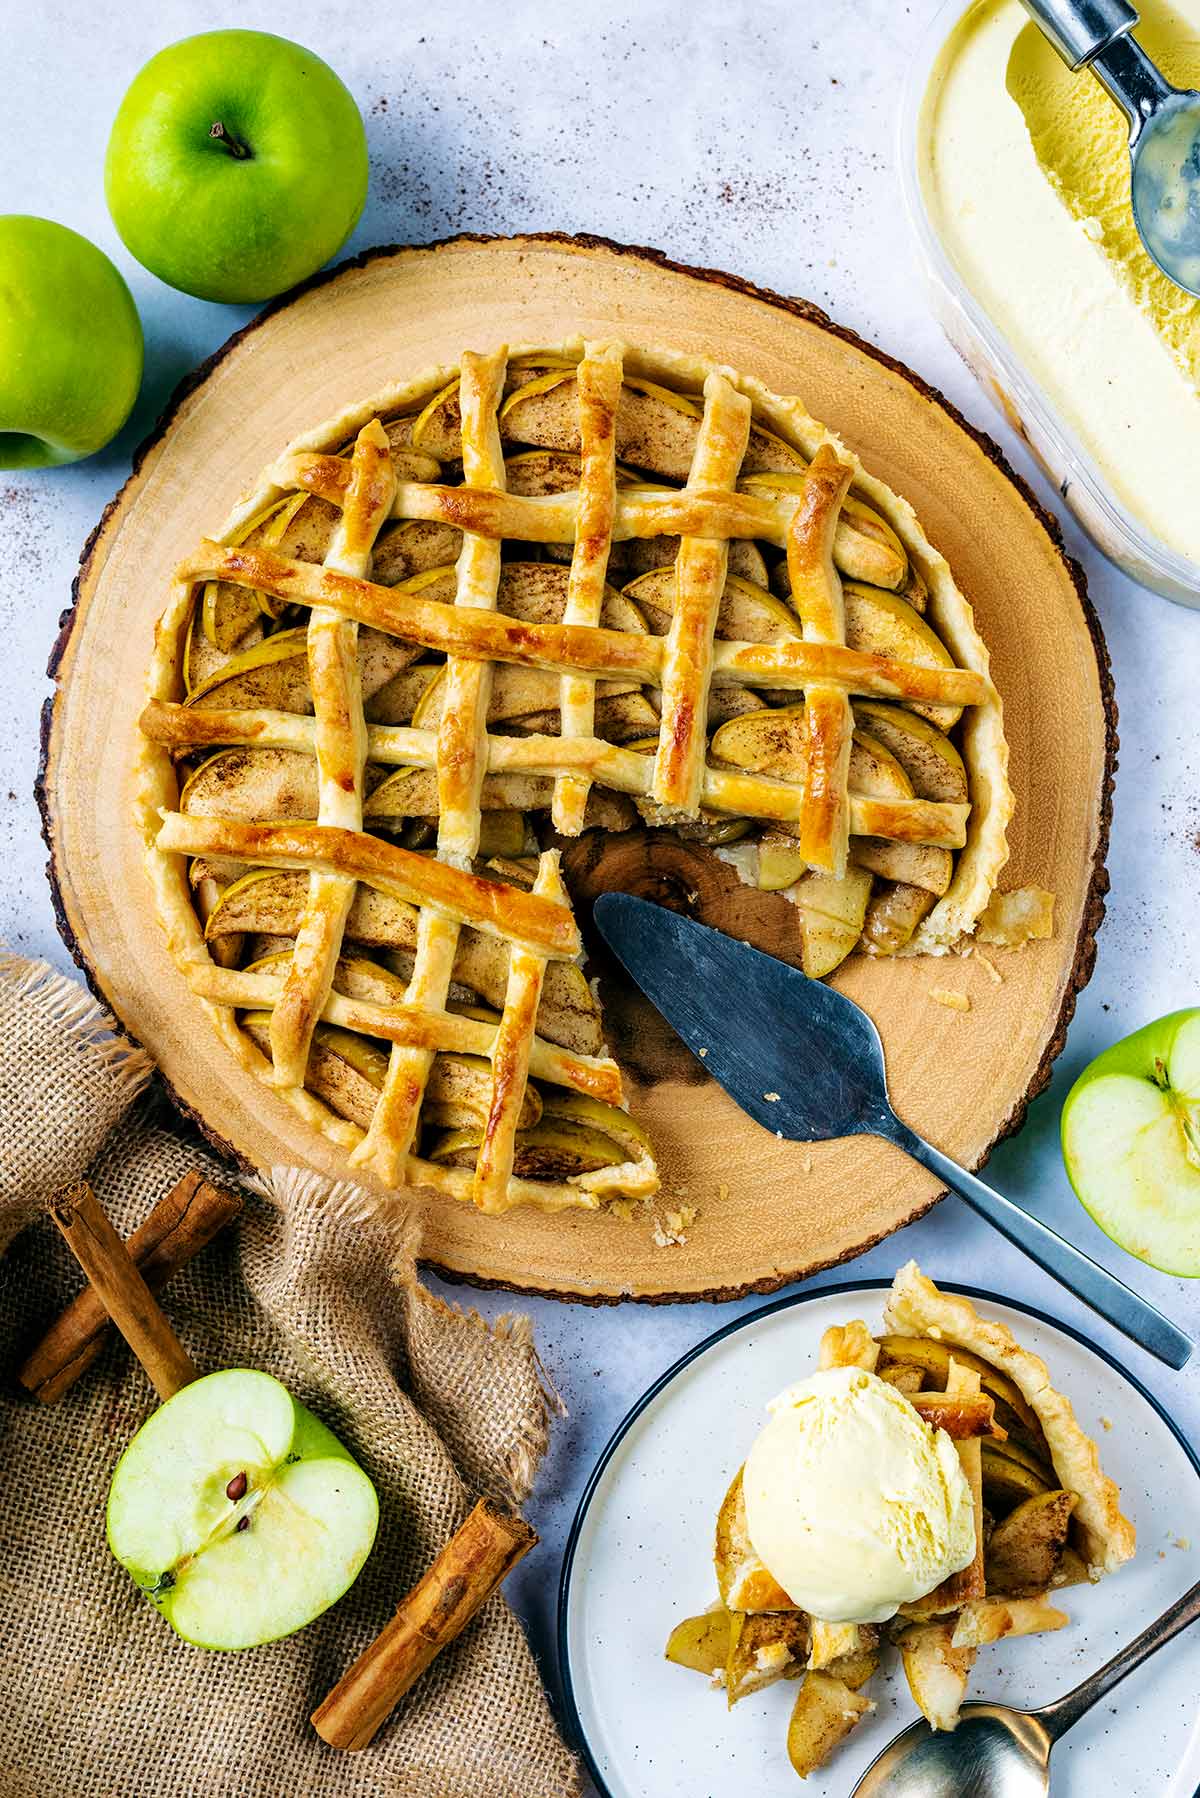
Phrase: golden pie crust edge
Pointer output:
(915, 1307)
(984, 747)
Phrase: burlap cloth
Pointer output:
(98, 1697)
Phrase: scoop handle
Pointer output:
(1070, 1266)
(1082, 29)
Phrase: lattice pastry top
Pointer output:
(537, 595)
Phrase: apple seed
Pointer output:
(243, 1523)
(237, 1487)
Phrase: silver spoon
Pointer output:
(1164, 125)
(997, 1752)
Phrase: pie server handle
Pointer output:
(806, 1062)
(1115, 1301)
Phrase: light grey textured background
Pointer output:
(754, 137)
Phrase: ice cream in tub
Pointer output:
(1017, 180)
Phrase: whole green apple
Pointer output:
(70, 345)
(237, 165)
(1131, 1142)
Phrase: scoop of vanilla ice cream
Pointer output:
(854, 1504)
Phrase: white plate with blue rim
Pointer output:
(639, 1558)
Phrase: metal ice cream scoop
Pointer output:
(1164, 125)
(997, 1752)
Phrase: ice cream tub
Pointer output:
(1016, 179)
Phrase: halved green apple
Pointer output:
(238, 1513)
(1131, 1142)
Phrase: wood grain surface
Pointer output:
(767, 1211)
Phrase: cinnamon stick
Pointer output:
(183, 1222)
(121, 1289)
(473, 1563)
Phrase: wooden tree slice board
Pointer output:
(767, 1211)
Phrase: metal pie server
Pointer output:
(819, 1057)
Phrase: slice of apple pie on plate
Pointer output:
(580, 588)
(927, 1491)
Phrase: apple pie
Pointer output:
(587, 588)
(1045, 1517)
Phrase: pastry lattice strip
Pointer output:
(421, 880)
(511, 1055)
(340, 742)
(638, 511)
(824, 831)
(446, 1032)
(404, 611)
(700, 569)
(537, 925)
(727, 790)
(599, 388)
(461, 764)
